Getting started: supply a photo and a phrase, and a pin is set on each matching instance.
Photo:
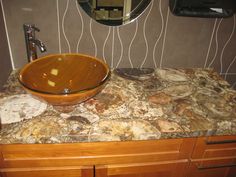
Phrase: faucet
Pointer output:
(31, 42)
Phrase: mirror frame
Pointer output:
(115, 15)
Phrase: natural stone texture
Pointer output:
(160, 98)
(19, 107)
(136, 104)
(123, 129)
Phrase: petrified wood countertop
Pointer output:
(135, 105)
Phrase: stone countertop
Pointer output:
(136, 104)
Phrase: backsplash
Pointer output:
(5, 61)
(155, 39)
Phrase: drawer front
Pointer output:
(212, 168)
(214, 147)
(161, 169)
(94, 153)
(48, 172)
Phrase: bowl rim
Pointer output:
(107, 76)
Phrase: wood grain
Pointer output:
(46, 155)
(49, 172)
(162, 158)
(219, 146)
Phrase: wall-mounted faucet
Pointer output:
(31, 42)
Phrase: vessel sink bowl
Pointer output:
(64, 79)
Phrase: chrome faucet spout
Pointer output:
(40, 45)
(32, 42)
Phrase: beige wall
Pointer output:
(5, 62)
(155, 39)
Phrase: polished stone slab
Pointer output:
(136, 104)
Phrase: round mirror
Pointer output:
(114, 12)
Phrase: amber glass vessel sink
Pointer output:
(64, 79)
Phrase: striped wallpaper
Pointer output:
(155, 39)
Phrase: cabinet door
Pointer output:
(215, 147)
(160, 169)
(213, 168)
(49, 172)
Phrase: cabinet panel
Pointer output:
(214, 147)
(49, 172)
(161, 169)
(80, 154)
(160, 158)
(213, 168)
(232, 172)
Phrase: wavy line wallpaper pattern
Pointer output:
(155, 39)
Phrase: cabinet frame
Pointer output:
(107, 159)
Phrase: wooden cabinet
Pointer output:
(214, 157)
(212, 168)
(135, 158)
(215, 147)
(188, 157)
(49, 172)
(160, 169)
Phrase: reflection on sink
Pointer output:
(64, 79)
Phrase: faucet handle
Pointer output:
(35, 28)
(30, 27)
